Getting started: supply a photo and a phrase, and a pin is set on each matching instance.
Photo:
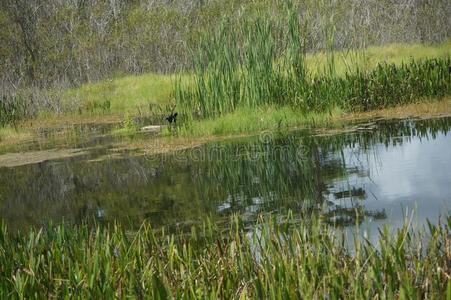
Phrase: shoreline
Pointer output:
(333, 124)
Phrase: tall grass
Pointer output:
(388, 85)
(237, 66)
(12, 110)
(275, 259)
(262, 60)
(128, 94)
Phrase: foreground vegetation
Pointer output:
(287, 259)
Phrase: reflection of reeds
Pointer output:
(246, 64)
(286, 258)
(284, 172)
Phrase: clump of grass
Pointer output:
(228, 76)
(389, 85)
(134, 94)
(127, 127)
(276, 259)
(12, 110)
(262, 61)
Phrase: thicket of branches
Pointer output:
(68, 42)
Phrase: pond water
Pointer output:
(377, 173)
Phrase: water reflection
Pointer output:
(369, 175)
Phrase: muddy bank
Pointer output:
(32, 157)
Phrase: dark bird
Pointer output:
(172, 117)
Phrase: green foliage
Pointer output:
(390, 85)
(262, 61)
(350, 60)
(153, 93)
(236, 66)
(247, 120)
(286, 258)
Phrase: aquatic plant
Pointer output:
(288, 258)
(262, 61)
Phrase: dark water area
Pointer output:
(374, 175)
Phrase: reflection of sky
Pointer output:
(413, 176)
(414, 170)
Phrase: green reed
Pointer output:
(261, 60)
(240, 64)
(286, 258)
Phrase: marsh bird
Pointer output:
(172, 117)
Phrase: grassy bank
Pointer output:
(129, 94)
(248, 121)
(133, 93)
(370, 57)
(288, 259)
(149, 97)
(11, 134)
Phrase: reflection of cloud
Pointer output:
(415, 170)
(393, 178)
(414, 175)
(412, 182)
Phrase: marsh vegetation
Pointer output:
(78, 58)
(276, 258)
(266, 186)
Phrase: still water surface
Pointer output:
(376, 173)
